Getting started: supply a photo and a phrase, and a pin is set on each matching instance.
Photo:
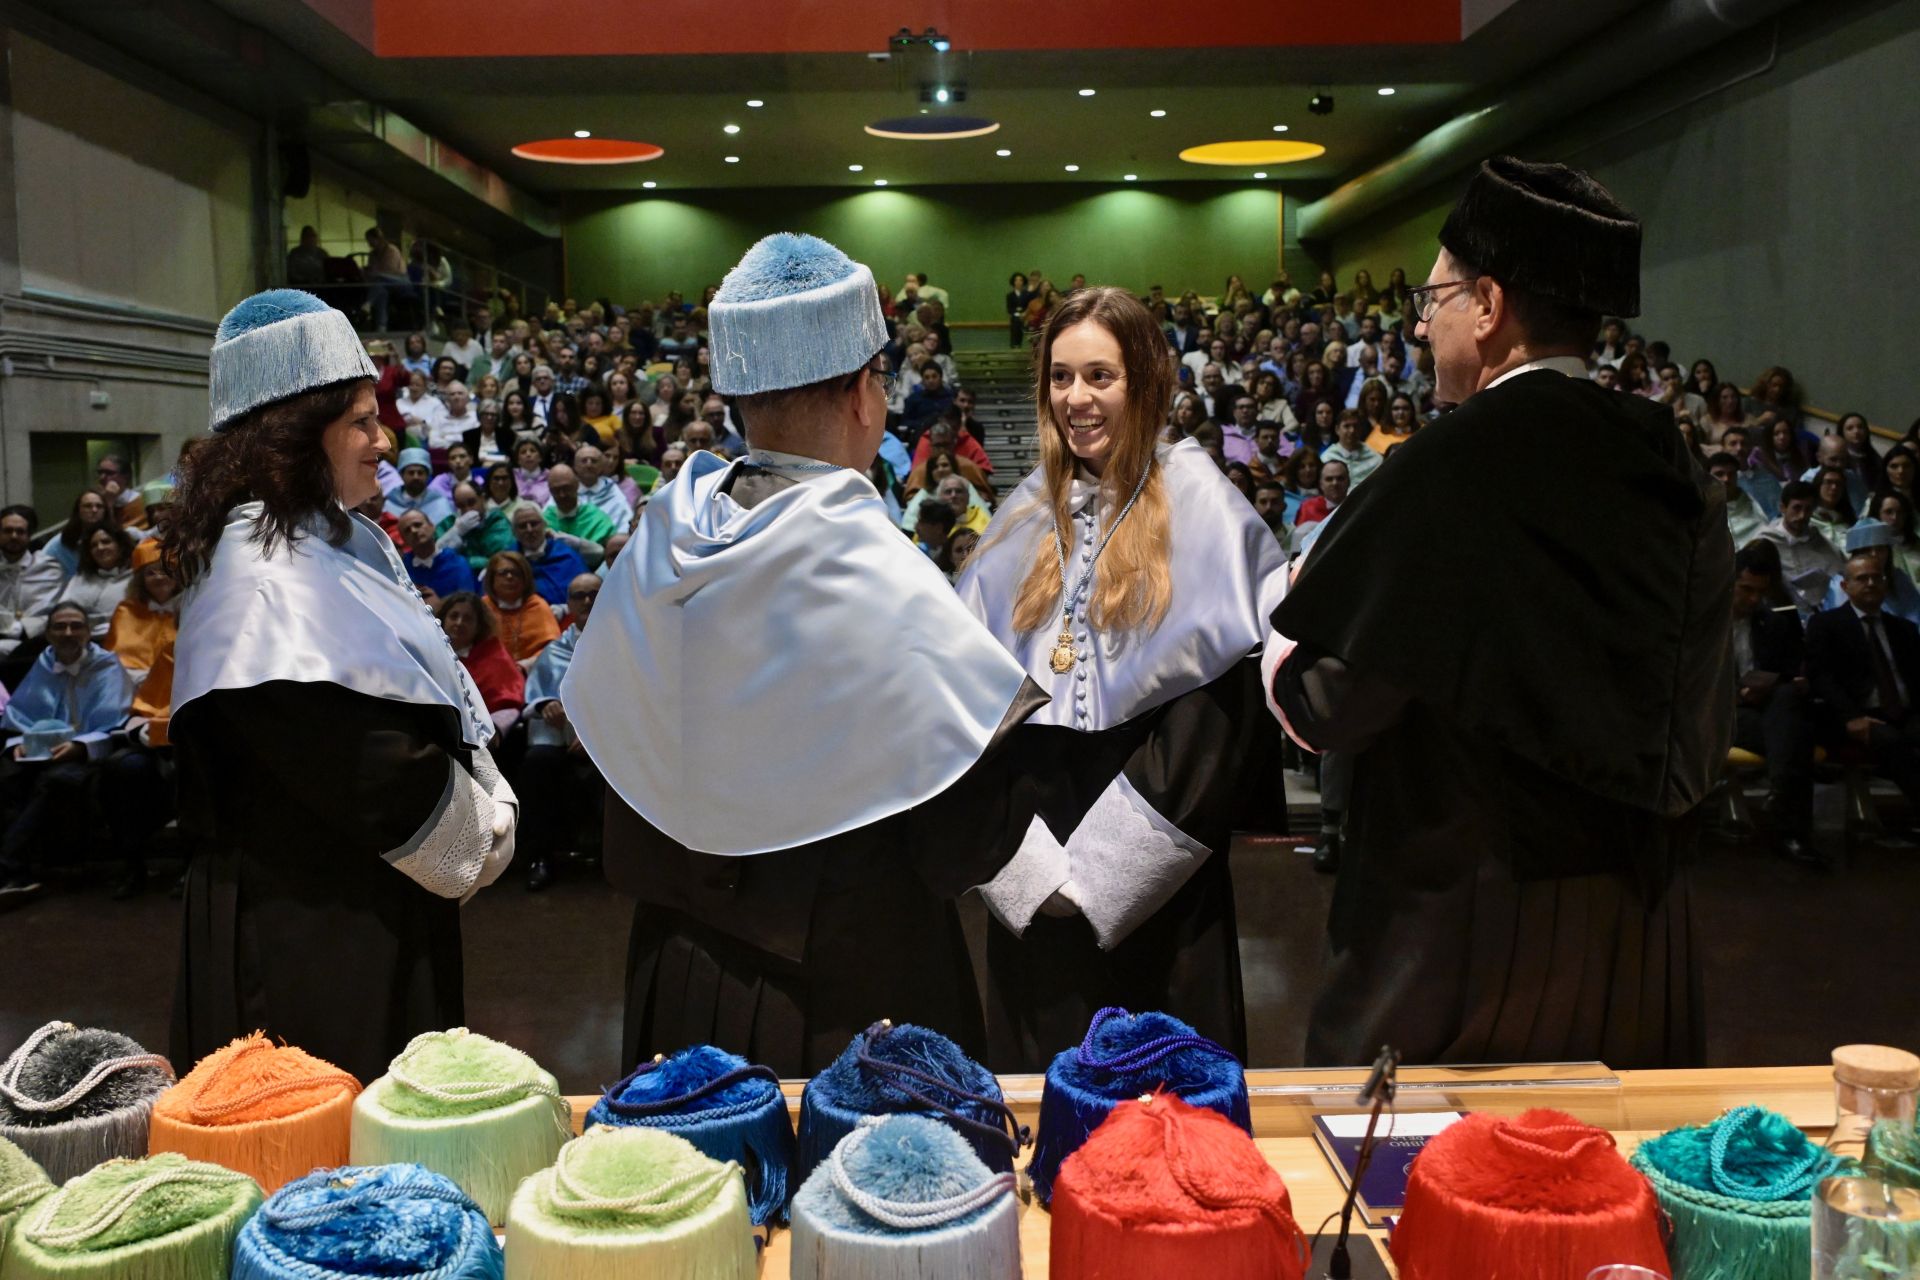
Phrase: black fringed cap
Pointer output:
(1549, 230)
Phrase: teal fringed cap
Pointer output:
(632, 1202)
(277, 345)
(904, 1197)
(392, 1221)
(1893, 1150)
(165, 1216)
(471, 1108)
(22, 1183)
(1740, 1193)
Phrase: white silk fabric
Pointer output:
(1229, 574)
(312, 613)
(760, 678)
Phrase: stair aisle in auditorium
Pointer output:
(1002, 384)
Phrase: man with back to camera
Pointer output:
(820, 898)
(1541, 713)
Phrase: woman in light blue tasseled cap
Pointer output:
(333, 772)
(795, 855)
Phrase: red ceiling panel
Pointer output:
(563, 28)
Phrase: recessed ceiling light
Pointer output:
(1387, 92)
(1157, 112)
(733, 159)
(1132, 177)
(879, 182)
(1261, 174)
(1279, 128)
(1003, 152)
(729, 128)
(649, 185)
(1086, 93)
(755, 102)
(1073, 168)
(855, 168)
(941, 95)
(583, 133)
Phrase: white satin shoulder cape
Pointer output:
(760, 678)
(1229, 574)
(313, 613)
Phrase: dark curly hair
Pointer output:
(273, 455)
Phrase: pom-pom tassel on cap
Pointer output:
(906, 1068)
(1740, 1193)
(72, 1098)
(471, 1108)
(1166, 1189)
(397, 1221)
(1537, 1195)
(272, 1112)
(1123, 1056)
(162, 1218)
(903, 1197)
(726, 1107)
(631, 1202)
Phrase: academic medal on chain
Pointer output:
(1063, 655)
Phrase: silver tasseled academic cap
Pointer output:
(793, 311)
(279, 344)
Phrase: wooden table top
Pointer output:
(1633, 1104)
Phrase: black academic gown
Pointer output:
(1540, 698)
(784, 957)
(1193, 760)
(294, 925)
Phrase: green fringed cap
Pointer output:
(165, 1215)
(22, 1182)
(1893, 1148)
(1740, 1193)
(633, 1200)
(467, 1107)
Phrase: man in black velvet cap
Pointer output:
(1538, 712)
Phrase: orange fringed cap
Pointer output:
(1163, 1189)
(1538, 1196)
(272, 1112)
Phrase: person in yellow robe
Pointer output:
(146, 621)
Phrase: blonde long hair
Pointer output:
(1132, 585)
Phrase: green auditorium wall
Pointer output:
(967, 239)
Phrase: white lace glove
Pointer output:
(506, 818)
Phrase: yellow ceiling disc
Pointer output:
(1258, 151)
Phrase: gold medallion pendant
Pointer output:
(1063, 655)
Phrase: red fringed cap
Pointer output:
(1164, 1189)
(1539, 1196)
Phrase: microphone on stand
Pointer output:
(1377, 1092)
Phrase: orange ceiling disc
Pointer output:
(588, 151)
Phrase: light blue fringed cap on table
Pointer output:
(725, 1106)
(903, 1197)
(276, 345)
(394, 1220)
(1123, 1056)
(893, 1068)
(793, 311)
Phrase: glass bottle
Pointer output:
(1871, 1083)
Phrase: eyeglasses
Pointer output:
(885, 377)
(1426, 300)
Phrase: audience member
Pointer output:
(555, 561)
(101, 582)
(59, 720)
(439, 571)
(1351, 447)
(146, 619)
(29, 582)
(1772, 714)
(1270, 504)
(523, 619)
(459, 471)
(1314, 511)
(567, 515)
(1807, 560)
(416, 472)
(1745, 519)
(470, 630)
(557, 780)
(1864, 665)
(600, 489)
(927, 402)
(90, 511)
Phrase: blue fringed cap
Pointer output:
(279, 344)
(1124, 1056)
(379, 1220)
(902, 1197)
(793, 311)
(1869, 533)
(910, 1069)
(725, 1106)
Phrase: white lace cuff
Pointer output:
(1035, 872)
(1127, 861)
(446, 855)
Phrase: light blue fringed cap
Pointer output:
(793, 311)
(279, 344)
(903, 1197)
(1869, 533)
(1123, 1056)
(725, 1106)
(380, 1220)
